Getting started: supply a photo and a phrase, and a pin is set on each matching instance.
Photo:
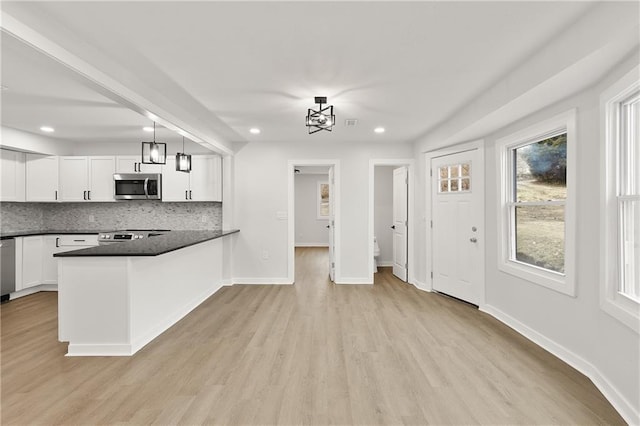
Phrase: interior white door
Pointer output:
(332, 222)
(400, 210)
(456, 251)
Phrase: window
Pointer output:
(454, 178)
(620, 294)
(537, 221)
(323, 200)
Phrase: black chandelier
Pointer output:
(321, 119)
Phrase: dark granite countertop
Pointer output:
(16, 234)
(152, 246)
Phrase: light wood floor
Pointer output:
(312, 353)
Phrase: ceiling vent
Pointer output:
(350, 122)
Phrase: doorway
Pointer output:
(455, 183)
(313, 211)
(391, 223)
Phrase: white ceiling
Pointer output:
(406, 66)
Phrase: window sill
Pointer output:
(554, 281)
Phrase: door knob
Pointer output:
(328, 226)
(473, 240)
(393, 227)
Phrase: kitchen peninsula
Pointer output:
(114, 299)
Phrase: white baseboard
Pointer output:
(227, 282)
(99, 350)
(31, 290)
(354, 281)
(312, 244)
(384, 263)
(619, 402)
(262, 281)
(421, 286)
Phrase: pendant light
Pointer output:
(183, 161)
(154, 152)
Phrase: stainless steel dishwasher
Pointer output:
(7, 267)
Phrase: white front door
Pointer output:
(456, 204)
(400, 210)
(332, 221)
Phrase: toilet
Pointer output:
(376, 253)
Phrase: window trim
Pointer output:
(616, 304)
(563, 283)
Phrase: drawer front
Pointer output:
(77, 240)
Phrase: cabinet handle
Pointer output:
(88, 195)
(56, 194)
(135, 167)
(190, 195)
(57, 242)
(186, 194)
(84, 195)
(79, 241)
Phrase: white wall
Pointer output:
(383, 213)
(310, 231)
(260, 181)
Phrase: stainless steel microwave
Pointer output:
(137, 186)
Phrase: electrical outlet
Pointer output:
(92, 218)
(265, 254)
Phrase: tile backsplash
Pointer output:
(110, 216)
(20, 217)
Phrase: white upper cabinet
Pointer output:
(175, 185)
(12, 175)
(203, 183)
(86, 178)
(101, 170)
(133, 164)
(74, 179)
(41, 178)
(205, 178)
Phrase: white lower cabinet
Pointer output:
(32, 255)
(35, 264)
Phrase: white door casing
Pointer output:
(400, 212)
(457, 248)
(332, 236)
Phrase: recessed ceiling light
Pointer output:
(147, 129)
(47, 129)
(255, 131)
(379, 130)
